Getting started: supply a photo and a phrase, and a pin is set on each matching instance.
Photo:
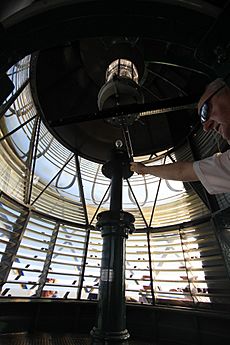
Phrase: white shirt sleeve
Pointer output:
(214, 172)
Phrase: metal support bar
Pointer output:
(145, 109)
(17, 128)
(12, 247)
(82, 197)
(81, 189)
(155, 201)
(139, 208)
(67, 162)
(150, 268)
(186, 268)
(4, 107)
(83, 266)
(47, 263)
(30, 162)
(109, 186)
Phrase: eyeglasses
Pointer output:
(204, 109)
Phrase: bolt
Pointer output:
(119, 143)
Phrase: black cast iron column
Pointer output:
(114, 225)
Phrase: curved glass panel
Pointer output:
(44, 258)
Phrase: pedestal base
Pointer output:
(107, 338)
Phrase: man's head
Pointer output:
(214, 108)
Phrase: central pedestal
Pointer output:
(115, 225)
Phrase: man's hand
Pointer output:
(139, 168)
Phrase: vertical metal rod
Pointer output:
(83, 266)
(32, 162)
(47, 263)
(150, 268)
(185, 263)
(81, 189)
(82, 197)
